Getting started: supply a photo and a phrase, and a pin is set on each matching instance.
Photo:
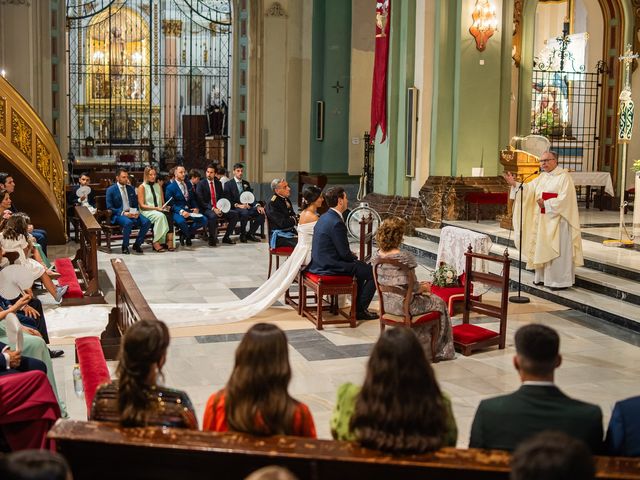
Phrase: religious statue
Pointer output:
(217, 112)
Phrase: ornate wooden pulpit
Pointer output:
(523, 165)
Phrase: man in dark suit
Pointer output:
(282, 218)
(121, 199)
(183, 204)
(331, 255)
(623, 434)
(246, 212)
(208, 192)
(503, 422)
(11, 361)
(72, 197)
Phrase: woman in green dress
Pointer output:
(150, 202)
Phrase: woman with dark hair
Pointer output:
(256, 398)
(389, 237)
(400, 407)
(135, 399)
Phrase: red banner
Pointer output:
(379, 90)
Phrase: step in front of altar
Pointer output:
(602, 295)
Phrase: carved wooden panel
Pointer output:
(517, 32)
(3, 116)
(43, 159)
(21, 134)
(58, 185)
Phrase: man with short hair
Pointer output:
(221, 174)
(194, 177)
(503, 422)
(253, 213)
(282, 218)
(183, 204)
(208, 192)
(123, 203)
(72, 198)
(331, 254)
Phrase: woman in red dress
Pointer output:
(256, 398)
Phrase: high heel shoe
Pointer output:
(170, 245)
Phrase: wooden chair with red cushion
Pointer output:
(467, 336)
(276, 252)
(331, 285)
(406, 320)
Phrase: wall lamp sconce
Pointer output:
(485, 23)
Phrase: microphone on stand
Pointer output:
(519, 298)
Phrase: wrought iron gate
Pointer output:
(149, 80)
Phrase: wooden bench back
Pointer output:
(131, 306)
(165, 453)
(86, 258)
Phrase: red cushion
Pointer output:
(68, 277)
(446, 292)
(487, 198)
(93, 367)
(281, 251)
(467, 334)
(329, 279)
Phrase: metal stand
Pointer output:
(519, 298)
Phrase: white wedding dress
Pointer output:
(261, 299)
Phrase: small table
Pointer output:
(594, 179)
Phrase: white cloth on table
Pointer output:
(454, 242)
(593, 179)
(18, 246)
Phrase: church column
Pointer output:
(171, 30)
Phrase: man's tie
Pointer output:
(213, 194)
(125, 198)
(184, 190)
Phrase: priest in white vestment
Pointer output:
(551, 226)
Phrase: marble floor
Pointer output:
(599, 361)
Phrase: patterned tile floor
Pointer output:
(599, 362)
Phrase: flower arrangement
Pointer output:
(636, 166)
(445, 276)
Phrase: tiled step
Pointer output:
(600, 304)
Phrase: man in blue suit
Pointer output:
(121, 199)
(331, 255)
(623, 434)
(12, 362)
(246, 212)
(183, 204)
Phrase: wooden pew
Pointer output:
(166, 453)
(131, 306)
(81, 273)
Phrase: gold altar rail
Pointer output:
(28, 152)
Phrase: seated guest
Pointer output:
(150, 202)
(168, 180)
(253, 213)
(183, 204)
(121, 199)
(389, 238)
(208, 192)
(12, 361)
(8, 183)
(400, 407)
(72, 198)
(221, 174)
(623, 434)
(14, 237)
(35, 465)
(282, 218)
(552, 456)
(504, 422)
(256, 399)
(331, 254)
(195, 176)
(136, 399)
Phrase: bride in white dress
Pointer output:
(270, 291)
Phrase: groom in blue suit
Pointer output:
(331, 255)
(121, 198)
(183, 204)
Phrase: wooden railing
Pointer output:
(167, 453)
(86, 259)
(28, 151)
(131, 306)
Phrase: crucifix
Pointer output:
(337, 86)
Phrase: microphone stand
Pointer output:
(519, 298)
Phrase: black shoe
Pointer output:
(181, 239)
(228, 241)
(366, 315)
(125, 251)
(188, 241)
(56, 353)
(137, 249)
(213, 242)
(253, 238)
(537, 284)
(243, 238)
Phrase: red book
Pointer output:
(547, 196)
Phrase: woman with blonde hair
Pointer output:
(150, 202)
(256, 399)
(389, 237)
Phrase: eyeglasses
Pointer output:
(545, 160)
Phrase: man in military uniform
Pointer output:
(282, 219)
